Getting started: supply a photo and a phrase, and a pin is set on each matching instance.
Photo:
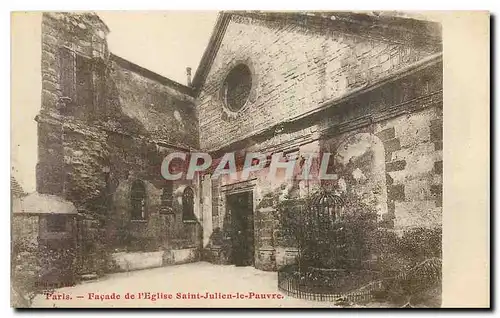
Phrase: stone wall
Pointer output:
(410, 191)
(141, 260)
(158, 230)
(414, 167)
(71, 149)
(314, 90)
(162, 109)
(386, 147)
(104, 123)
(25, 229)
(296, 68)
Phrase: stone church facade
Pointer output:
(365, 88)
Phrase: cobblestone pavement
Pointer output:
(183, 283)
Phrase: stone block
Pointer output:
(286, 256)
(49, 100)
(266, 260)
(186, 255)
(438, 145)
(386, 134)
(438, 167)
(49, 39)
(395, 165)
(391, 207)
(50, 86)
(389, 179)
(396, 193)
(436, 130)
(417, 190)
(413, 130)
(437, 193)
(392, 145)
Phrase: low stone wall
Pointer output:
(132, 261)
(265, 259)
(126, 261)
(272, 259)
(181, 256)
(286, 256)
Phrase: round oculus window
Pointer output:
(237, 86)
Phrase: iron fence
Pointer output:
(294, 283)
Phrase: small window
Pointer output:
(188, 205)
(67, 75)
(138, 200)
(237, 87)
(166, 198)
(56, 223)
(84, 82)
(77, 81)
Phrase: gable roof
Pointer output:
(151, 75)
(387, 26)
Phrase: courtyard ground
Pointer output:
(188, 280)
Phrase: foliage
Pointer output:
(31, 267)
(24, 273)
(417, 286)
(270, 199)
(358, 242)
(397, 253)
(411, 265)
(324, 241)
(421, 243)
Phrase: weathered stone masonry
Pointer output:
(326, 86)
(366, 89)
(296, 69)
(91, 150)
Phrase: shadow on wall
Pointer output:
(220, 247)
(359, 163)
(163, 112)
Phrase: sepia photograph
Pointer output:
(194, 159)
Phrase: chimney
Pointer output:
(188, 73)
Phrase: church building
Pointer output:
(364, 87)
